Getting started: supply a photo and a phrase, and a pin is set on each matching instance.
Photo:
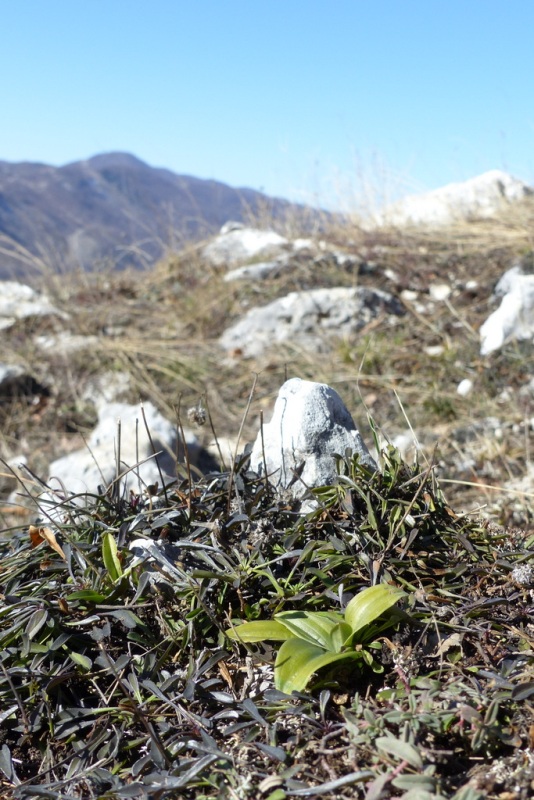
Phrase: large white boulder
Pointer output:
(479, 197)
(307, 318)
(238, 245)
(514, 319)
(310, 424)
(96, 465)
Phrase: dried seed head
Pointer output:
(197, 414)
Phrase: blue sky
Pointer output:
(307, 99)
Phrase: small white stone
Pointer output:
(391, 275)
(409, 295)
(465, 387)
(435, 350)
(439, 291)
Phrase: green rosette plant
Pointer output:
(315, 639)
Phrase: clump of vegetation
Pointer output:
(316, 639)
(122, 673)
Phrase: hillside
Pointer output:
(112, 211)
(120, 615)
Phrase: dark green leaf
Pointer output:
(332, 786)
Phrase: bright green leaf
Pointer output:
(297, 660)
(83, 661)
(370, 604)
(87, 594)
(259, 631)
(110, 556)
(314, 627)
(341, 635)
(278, 794)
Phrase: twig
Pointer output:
(232, 471)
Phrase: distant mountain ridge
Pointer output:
(113, 210)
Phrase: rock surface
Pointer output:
(479, 197)
(18, 301)
(95, 465)
(310, 424)
(307, 318)
(65, 343)
(258, 271)
(235, 245)
(514, 319)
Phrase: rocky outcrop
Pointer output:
(310, 424)
(236, 244)
(121, 436)
(480, 197)
(307, 318)
(315, 256)
(514, 319)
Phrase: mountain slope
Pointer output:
(111, 209)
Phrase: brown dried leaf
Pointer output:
(225, 673)
(38, 535)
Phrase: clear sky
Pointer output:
(299, 98)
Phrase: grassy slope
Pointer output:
(160, 687)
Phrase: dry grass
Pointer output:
(176, 708)
(162, 327)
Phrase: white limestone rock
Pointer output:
(307, 318)
(95, 465)
(107, 387)
(239, 245)
(9, 374)
(514, 319)
(479, 197)
(310, 424)
(465, 387)
(18, 301)
(298, 252)
(257, 272)
(65, 343)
